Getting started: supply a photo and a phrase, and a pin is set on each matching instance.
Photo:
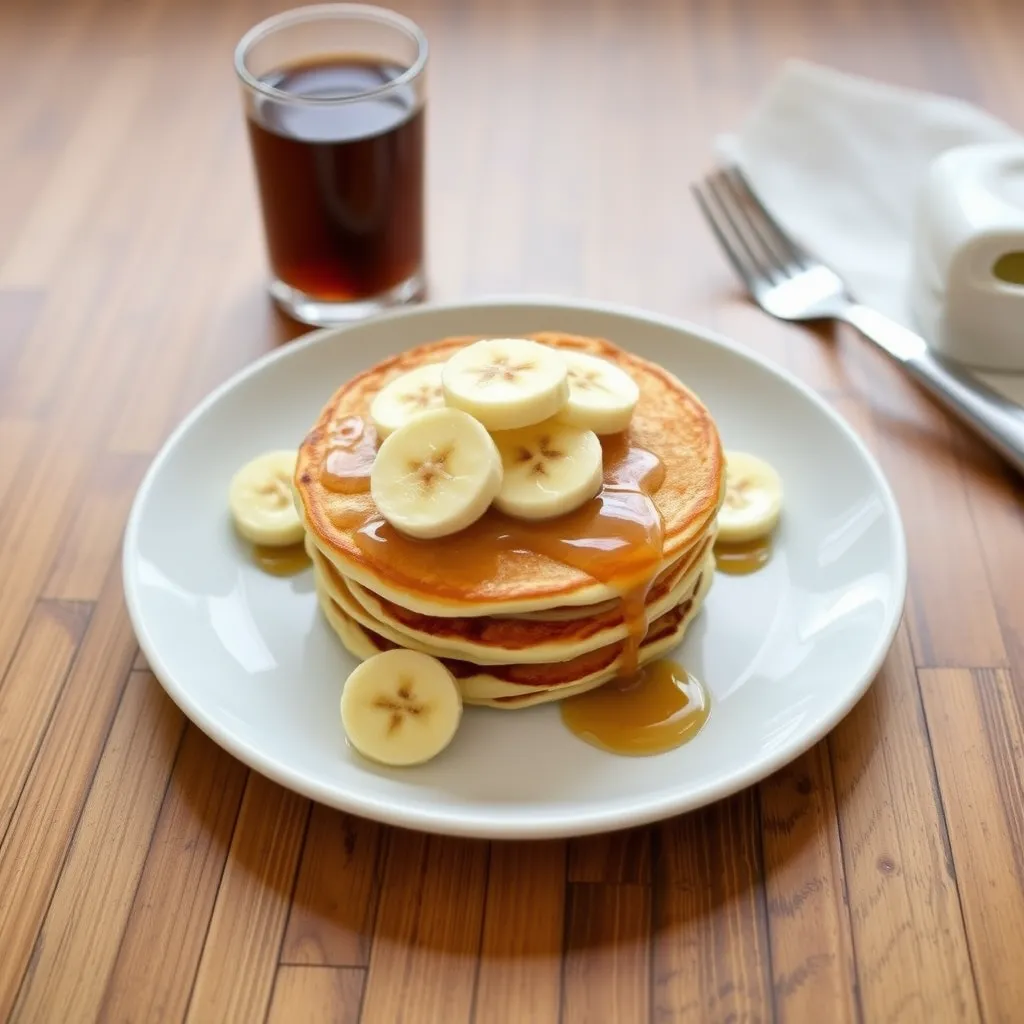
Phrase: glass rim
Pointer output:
(314, 12)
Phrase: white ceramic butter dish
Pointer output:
(967, 276)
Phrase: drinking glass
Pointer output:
(335, 106)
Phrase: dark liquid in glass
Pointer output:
(341, 185)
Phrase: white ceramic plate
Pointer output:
(785, 652)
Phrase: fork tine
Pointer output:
(765, 264)
(764, 223)
(722, 230)
(773, 254)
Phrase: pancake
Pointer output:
(481, 571)
(513, 686)
(494, 640)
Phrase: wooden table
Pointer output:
(145, 875)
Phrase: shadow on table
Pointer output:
(695, 885)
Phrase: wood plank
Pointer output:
(57, 785)
(175, 378)
(608, 953)
(16, 439)
(613, 857)
(33, 45)
(331, 920)
(38, 379)
(711, 951)
(175, 897)
(19, 310)
(123, 312)
(914, 441)
(316, 995)
(996, 497)
(29, 532)
(427, 938)
(808, 921)
(908, 932)
(211, 211)
(29, 692)
(253, 327)
(79, 174)
(32, 528)
(93, 539)
(812, 353)
(520, 975)
(975, 725)
(109, 311)
(79, 939)
(241, 951)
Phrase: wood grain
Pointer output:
(809, 927)
(16, 439)
(428, 930)
(996, 500)
(316, 995)
(612, 857)
(33, 850)
(176, 894)
(242, 947)
(521, 949)
(908, 931)
(336, 894)
(607, 953)
(146, 875)
(78, 942)
(711, 958)
(30, 689)
(974, 720)
(19, 310)
(926, 472)
(75, 181)
(93, 539)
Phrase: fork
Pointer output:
(789, 283)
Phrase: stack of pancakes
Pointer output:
(517, 627)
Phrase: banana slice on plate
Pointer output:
(506, 383)
(753, 499)
(436, 475)
(261, 501)
(548, 469)
(406, 397)
(601, 396)
(400, 707)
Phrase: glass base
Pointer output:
(308, 309)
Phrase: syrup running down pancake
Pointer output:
(522, 611)
(672, 450)
(516, 685)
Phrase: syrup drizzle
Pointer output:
(286, 561)
(741, 559)
(350, 456)
(663, 707)
(616, 538)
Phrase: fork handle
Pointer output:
(991, 415)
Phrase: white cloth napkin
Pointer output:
(838, 159)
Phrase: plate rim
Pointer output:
(474, 824)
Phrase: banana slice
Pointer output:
(261, 501)
(753, 499)
(400, 707)
(601, 396)
(506, 383)
(436, 475)
(406, 397)
(548, 469)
